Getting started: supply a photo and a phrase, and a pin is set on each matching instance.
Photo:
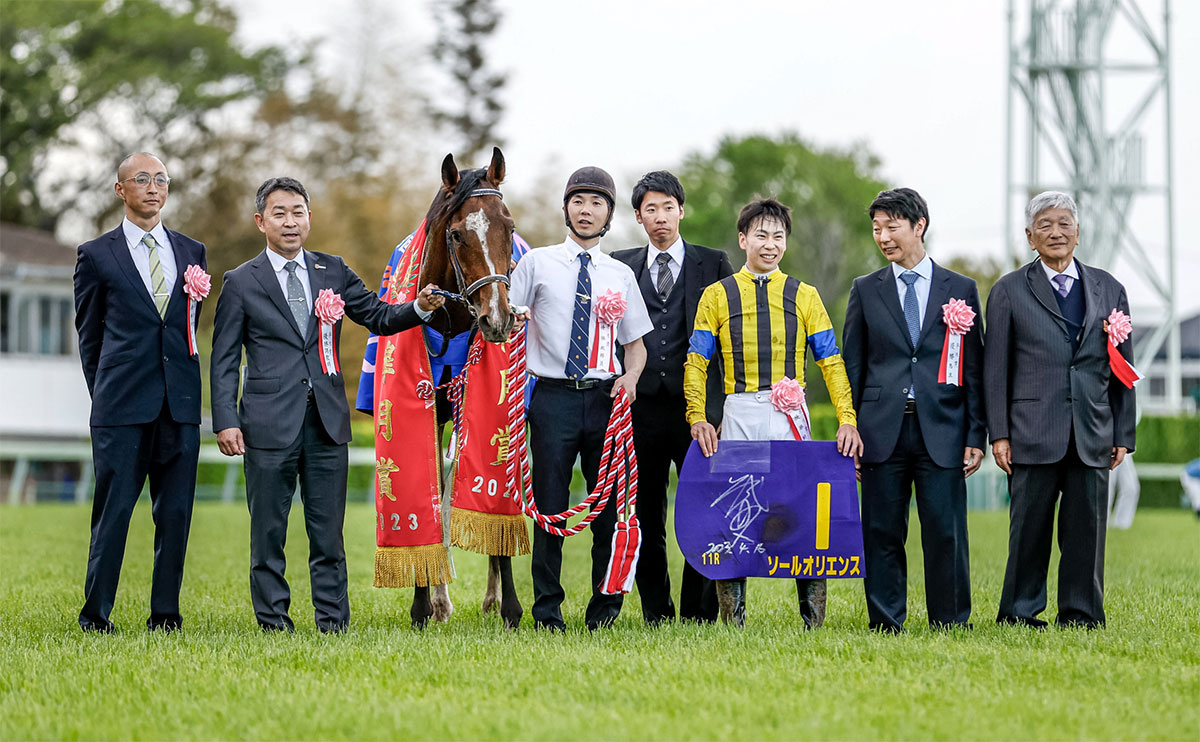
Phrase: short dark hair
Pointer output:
(661, 181)
(283, 183)
(902, 203)
(764, 208)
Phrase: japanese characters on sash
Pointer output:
(409, 525)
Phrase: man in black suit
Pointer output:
(1059, 418)
(916, 429)
(132, 315)
(293, 419)
(672, 274)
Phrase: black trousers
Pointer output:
(662, 436)
(942, 508)
(124, 456)
(564, 424)
(1082, 515)
(271, 474)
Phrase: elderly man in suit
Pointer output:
(1058, 416)
(132, 318)
(920, 424)
(293, 420)
(671, 274)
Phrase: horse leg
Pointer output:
(510, 604)
(491, 598)
(422, 608)
(442, 607)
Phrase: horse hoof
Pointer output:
(490, 605)
(419, 624)
(512, 618)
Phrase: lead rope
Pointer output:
(618, 460)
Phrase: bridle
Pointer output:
(464, 294)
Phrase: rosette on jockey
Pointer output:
(787, 396)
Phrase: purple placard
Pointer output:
(770, 509)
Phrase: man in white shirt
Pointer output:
(574, 357)
(144, 379)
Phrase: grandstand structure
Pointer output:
(1089, 113)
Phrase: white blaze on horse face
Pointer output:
(477, 222)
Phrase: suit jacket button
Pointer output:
(914, 359)
(905, 390)
(662, 373)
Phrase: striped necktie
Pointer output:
(666, 281)
(161, 295)
(577, 354)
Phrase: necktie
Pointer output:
(665, 280)
(577, 355)
(912, 313)
(912, 318)
(296, 299)
(1061, 283)
(161, 295)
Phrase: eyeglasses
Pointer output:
(143, 180)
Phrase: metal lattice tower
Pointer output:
(1092, 78)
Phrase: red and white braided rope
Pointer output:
(618, 460)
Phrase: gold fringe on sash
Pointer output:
(495, 534)
(406, 566)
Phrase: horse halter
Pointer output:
(464, 295)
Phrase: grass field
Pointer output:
(223, 679)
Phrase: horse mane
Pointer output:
(444, 204)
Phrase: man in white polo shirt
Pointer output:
(579, 373)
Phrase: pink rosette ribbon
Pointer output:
(196, 284)
(610, 308)
(1118, 326)
(787, 396)
(959, 318)
(329, 308)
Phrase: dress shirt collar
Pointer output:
(134, 234)
(675, 251)
(924, 269)
(1071, 270)
(278, 261)
(574, 248)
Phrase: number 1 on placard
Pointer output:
(823, 497)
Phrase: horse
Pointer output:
(469, 247)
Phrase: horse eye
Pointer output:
(456, 235)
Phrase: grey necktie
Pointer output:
(912, 318)
(665, 280)
(296, 299)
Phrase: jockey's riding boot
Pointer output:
(811, 594)
(731, 601)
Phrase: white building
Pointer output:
(44, 402)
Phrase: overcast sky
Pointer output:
(633, 86)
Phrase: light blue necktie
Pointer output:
(912, 316)
(577, 354)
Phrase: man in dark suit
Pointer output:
(916, 429)
(1059, 419)
(132, 315)
(293, 419)
(671, 274)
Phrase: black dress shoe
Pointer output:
(168, 626)
(552, 627)
(270, 628)
(338, 629)
(90, 627)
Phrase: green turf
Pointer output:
(222, 679)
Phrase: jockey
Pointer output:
(730, 317)
(574, 357)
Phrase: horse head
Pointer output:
(469, 220)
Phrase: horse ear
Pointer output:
(495, 172)
(449, 173)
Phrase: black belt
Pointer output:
(910, 406)
(577, 384)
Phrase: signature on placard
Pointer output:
(743, 506)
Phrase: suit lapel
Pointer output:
(1091, 299)
(266, 278)
(120, 250)
(318, 278)
(691, 283)
(939, 292)
(890, 297)
(181, 265)
(1040, 286)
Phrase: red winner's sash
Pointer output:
(409, 528)
(484, 518)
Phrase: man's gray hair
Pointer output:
(1049, 200)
